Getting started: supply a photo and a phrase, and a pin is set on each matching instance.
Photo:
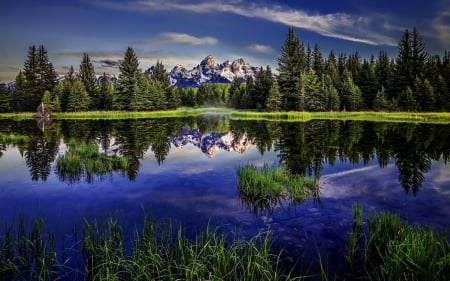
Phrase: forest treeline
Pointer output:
(306, 81)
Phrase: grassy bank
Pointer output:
(297, 116)
(417, 117)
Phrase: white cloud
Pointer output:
(183, 38)
(355, 28)
(258, 48)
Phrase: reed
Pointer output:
(397, 251)
(158, 252)
(354, 235)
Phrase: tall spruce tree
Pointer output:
(87, 76)
(18, 98)
(79, 99)
(40, 76)
(274, 99)
(127, 84)
(5, 100)
(263, 84)
(291, 63)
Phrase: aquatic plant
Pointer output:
(85, 160)
(13, 139)
(262, 188)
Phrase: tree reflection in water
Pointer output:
(304, 147)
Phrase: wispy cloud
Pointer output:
(441, 25)
(355, 28)
(263, 49)
(179, 38)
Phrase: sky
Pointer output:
(186, 31)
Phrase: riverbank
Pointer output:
(291, 116)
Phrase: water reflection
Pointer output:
(303, 147)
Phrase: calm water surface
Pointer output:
(185, 170)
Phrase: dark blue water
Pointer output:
(194, 182)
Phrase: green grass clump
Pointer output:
(263, 188)
(397, 251)
(86, 160)
(13, 139)
(157, 252)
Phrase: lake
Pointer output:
(185, 170)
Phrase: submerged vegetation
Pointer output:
(86, 160)
(263, 188)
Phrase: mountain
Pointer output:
(210, 143)
(210, 71)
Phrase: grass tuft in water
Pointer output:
(86, 160)
(13, 139)
(262, 188)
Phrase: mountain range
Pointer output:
(210, 71)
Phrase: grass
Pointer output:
(158, 252)
(418, 117)
(399, 251)
(297, 116)
(263, 188)
(13, 139)
(86, 160)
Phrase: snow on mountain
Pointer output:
(210, 71)
(210, 143)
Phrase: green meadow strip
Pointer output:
(297, 116)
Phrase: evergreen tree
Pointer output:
(158, 98)
(404, 65)
(291, 63)
(79, 99)
(251, 95)
(350, 93)
(263, 84)
(106, 93)
(330, 93)
(274, 100)
(40, 76)
(4, 100)
(380, 102)
(331, 69)
(423, 94)
(418, 54)
(191, 98)
(87, 76)
(127, 84)
(235, 93)
(18, 98)
(52, 101)
(311, 96)
(62, 90)
(174, 99)
(368, 83)
(406, 100)
(318, 63)
(384, 72)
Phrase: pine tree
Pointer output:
(158, 98)
(380, 102)
(350, 93)
(384, 72)
(4, 100)
(331, 69)
(105, 93)
(404, 64)
(330, 93)
(235, 92)
(368, 83)
(18, 98)
(291, 63)
(127, 84)
(318, 63)
(79, 99)
(274, 100)
(312, 98)
(40, 76)
(87, 76)
(263, 84)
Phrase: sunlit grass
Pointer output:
(302, 116)
(416, 117)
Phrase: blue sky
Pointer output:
(186, 31)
